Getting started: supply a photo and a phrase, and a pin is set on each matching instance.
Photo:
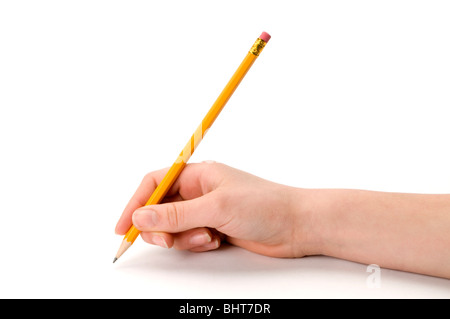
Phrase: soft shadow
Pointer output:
(227, 258)
(232, 260)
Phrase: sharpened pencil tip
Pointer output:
(115, 259)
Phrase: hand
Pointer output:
(211, 203)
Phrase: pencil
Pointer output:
(175, 170)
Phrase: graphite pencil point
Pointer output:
(115, 259)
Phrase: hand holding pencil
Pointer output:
(211, 203)
(177, 167)
(205, 204)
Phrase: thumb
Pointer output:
(179, 216)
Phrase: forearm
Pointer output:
(408, 232)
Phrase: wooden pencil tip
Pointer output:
(115, 259)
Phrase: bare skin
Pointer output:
(211, 203)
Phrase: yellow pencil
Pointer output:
(198, 135)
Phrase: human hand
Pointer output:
(211, 203)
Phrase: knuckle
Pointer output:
(148, 178)
(216, 166)
(174, 216)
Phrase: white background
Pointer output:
(95, 94)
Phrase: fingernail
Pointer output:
(145, 218)
(159, 240)
(200, 239)
(215, 244)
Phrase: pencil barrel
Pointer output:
(179, 164)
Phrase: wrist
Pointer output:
(310, 208)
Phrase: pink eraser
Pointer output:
(265, 37)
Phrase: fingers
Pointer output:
(180, 221)
(197, 240)
(180, 216)
(163, 240)
(139, 199)
(191, 183)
